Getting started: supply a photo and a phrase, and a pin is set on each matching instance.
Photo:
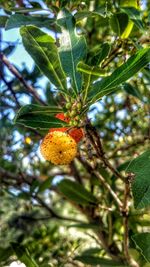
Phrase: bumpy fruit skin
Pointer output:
(76, 133)
(59, 148)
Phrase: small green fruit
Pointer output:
(66, 114)
(73, 113)
(71, 123)
(77, 118)
(75, 123)
(79, 106)
(68, 105)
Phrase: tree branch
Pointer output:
(128, 146)
(97, 144)
(125, 213)
(102, 180)
(15, 72)
(9, 86)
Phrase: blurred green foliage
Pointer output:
(34, 213)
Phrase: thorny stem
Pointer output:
(15, 72)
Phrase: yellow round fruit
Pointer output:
(59, 148)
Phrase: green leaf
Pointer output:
(133, 91)
(37, 109)
(35, 184)
(18, 20)
(101, 54)
(72, 48)
(45, 185)
(95, 70)
(93, 260)
(91, 251)
(23, 195)
(3, 20)
(142, 242)
(89, 75)
(44, 52)
(120, 75)
(135, 15)
(5, 253)
(9, 49)
(85, 14)
(76, 192)
(23, 10)
(84, 225)
(23, 255)
(40, 122)
(140, 166)
(39, 117)
(119, 22)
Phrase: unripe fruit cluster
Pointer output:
(74, 109)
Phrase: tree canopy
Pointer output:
(75, 133)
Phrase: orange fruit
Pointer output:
(59, 148)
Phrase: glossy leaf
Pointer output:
(43, 50)
(135, 15)
(45, 185)
(120, 75)
(23, 255)
(95, 70)
(40, 122)
(24, 10)
(72, 48)
(84, 225)
(37, 109)
(140, 166)
(18, 20)
(101, 54)
(92, 251)
(133, 91)
(38, 117)
(76, 192)
(9, 49)
(89, 75)
(5, 253)
(142, 242)
(119, 22)
(94, 261)
(128, 29)
(85, 14)
(3, 20)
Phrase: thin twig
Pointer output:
(102, 180)
(112, 55)
(53, 213)
(96, 141)
(15, 72)
(108, 187)
(125, 213)
(9, 86)
(128, 146)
